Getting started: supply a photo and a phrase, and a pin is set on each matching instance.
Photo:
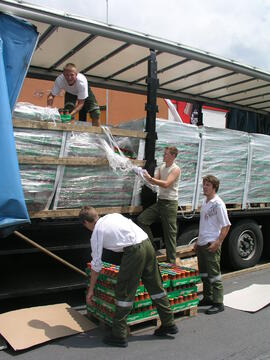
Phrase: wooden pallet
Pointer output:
(258, 205)
(148, 323)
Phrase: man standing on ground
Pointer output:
(214, 226)
(78, 95)
(165, 209)
(118, 233)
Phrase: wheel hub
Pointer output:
(246, 244)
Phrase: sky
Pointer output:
(237, 30)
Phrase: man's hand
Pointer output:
(195, 246)
(89, 296)
(214, 246)
(146, 175)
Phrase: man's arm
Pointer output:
(217, 243)
(50, 99)
(78, 107)
(90, 291)
(164, 183)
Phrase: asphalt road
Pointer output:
(231, 335)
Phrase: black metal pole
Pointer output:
(200, 115)
(148, 197)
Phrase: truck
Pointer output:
(123, 60)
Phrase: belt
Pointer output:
(134, 245)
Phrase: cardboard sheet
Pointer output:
(32, 326)
(252, 298)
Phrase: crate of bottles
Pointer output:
(179, 282)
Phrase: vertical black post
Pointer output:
(200, 115)
(148, 197)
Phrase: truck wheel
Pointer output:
(189, 235)
(244, 244)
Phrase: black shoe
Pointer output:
(166, 330)
(214, 309)
(205, 302)
(115, 341)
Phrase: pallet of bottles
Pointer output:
(180, 284)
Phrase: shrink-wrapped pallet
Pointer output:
(38, 181)
(259, 184)
(98, 186)
(225, 155)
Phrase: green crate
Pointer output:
(142, 303)
(142, 315)
(182, 292)
(184, 305)
(65, 118)
(188, 280)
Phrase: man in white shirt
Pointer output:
(165, 209)
(120, 234)
(78, 95)
(214, 226)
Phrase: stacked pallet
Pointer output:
(179, 282)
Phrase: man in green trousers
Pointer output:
(214, 226)
(165, 209)
(120, 234)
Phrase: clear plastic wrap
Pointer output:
(259, 184)
(225, 155)
(96, 185)
(38, 184)
(24, 110)
(38, 142)
(187, 140)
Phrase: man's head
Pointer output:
(70, 73)
(210, 186)
(88, 216)
(170, 153)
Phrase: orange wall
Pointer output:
(122, 106)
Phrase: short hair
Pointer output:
(172, 150)
(213, 180)
(70, 66)
(88, 213)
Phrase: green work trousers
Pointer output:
(139, 262)
(90, 105)
(166, 211)
(209, 267)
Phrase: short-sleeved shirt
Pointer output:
(113, 232)
(79, 88)
(213, 217)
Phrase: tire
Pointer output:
(189, 235)
(244, 244)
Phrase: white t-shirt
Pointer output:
(79, 88)
(213, 217)
(113, 232)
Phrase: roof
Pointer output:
(116, 58)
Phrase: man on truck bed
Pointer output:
(214, 226)
(118, 233)
(78, 95)
(165, 209)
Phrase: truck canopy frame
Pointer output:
(114, 58)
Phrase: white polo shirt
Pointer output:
(113, 232)
(213, 217)
(79, 88)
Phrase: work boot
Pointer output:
(205, 302)
(215, 308)
(115, 341)
(166, 330)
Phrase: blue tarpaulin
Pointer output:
(17, 43)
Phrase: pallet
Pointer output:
(147, 323)
(258, 205)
